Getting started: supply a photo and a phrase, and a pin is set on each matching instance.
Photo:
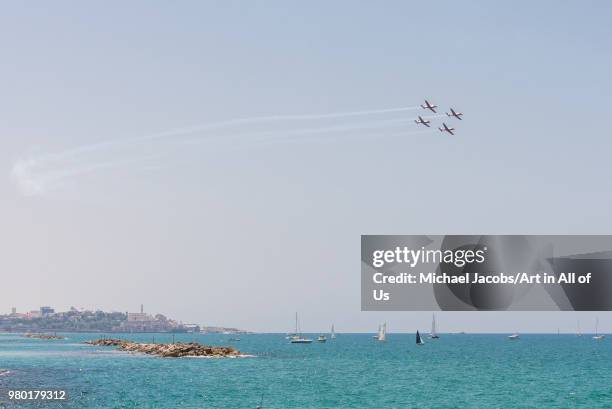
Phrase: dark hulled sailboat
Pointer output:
(419, 340)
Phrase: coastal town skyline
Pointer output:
(48, 319)
(157, 322)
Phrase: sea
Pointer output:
(352, 371)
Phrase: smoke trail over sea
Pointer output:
(40, 173)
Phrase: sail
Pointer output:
(419, 341)
(382, 333)
(333, 332)
(433, 325)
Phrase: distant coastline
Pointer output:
(47, 320)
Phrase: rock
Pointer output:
(177, 350)
(43, 336)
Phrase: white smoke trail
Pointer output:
(33, 176)
(282, 133)
(334, 138)
(310, 131)
(35, 184)
(216, 125)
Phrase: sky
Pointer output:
(193, 156)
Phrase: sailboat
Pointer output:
(297, 338)
(597, 336)
(333, 332)
(419, 340)
(514, 336)
(382, 333)
(433, 334)
(579, 334)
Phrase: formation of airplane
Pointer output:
(429, 106)
(422, 121)
(452, 112)
(445, 128)
(432, 108)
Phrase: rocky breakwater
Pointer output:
(43, 336)
(176, 350)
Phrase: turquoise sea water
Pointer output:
(354, 371)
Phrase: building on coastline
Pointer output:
(195, 328)
(46, 310)
(144, 322)
(139, 316)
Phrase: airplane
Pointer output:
(455, 114)
(422, 121)
(446, 129)
(427, 105)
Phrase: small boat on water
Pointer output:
(382, 333)
(419, 340)
(514, 336)
(321, 338)
(333, 332)
(579, 333)
(433, 334)
(300, 340)
(597, 337)
(297, 338)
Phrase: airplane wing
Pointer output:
(449, 131)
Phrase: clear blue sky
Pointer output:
(227, 227)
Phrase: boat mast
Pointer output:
(433, 324)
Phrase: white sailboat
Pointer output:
(297, 338)
(382, 336)
(433, 334)
(579, 333)
(514, 336)
(333, 332)
(382, 333)
(597, 336)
